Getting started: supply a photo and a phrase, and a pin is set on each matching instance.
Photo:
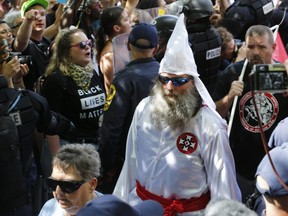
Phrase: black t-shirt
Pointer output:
(245, 136)
(39, 52)
(83, 108)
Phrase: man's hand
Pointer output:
(32, 14)
(236, 89)
(11, 68)
(223, 105)
(215, 20)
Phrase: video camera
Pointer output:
(23, 59)
(270, 78)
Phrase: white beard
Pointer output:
(174, 112)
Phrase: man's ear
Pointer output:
(155, 50)
(128, 46)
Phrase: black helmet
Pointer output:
(165, 23)
(196, 9)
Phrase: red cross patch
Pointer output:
(187, 143)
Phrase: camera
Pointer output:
(238, 43)
(270, 78)
(23, 59)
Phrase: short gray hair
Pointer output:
(227, 207)
(83, 157)
(11, 17)
(260, 30)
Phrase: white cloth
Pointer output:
(179, 60)
(152, 157)
(52, 207)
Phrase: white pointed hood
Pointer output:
(179, 60)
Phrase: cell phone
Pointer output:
(270, 78)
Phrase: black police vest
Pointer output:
(206, 47)
(262, 9)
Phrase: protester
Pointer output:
(14, 20)
(109, 205)
(30, 40)
(245, 139)
(177, 147)
(73, 89)
(132, 84)
(90, 19)
(76, 168)
(274, 192)
(114, 21)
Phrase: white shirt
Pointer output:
(52, 207)
(182, 164)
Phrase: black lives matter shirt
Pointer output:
(83, 108)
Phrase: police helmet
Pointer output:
(196, 9)
(165, 23)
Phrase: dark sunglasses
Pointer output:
(83, 44)
(66, 186)
(177, 81)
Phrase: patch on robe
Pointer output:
(187, 143)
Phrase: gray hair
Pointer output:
(226, 207)
(260, 30)
(11, 17)
(83, 157)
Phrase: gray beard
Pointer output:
(173, 112)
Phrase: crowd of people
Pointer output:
(144, 107)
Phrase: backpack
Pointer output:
(12, 179)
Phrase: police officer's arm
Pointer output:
(25, 30)
(48, 121)
(223, 105)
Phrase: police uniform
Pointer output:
(32, 111)
(132, 84)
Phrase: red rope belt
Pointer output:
(171, 207)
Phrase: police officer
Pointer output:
(30, 112)
(205, 41)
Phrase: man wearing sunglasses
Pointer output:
(75, 169)
(177, 149)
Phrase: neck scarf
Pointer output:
(81, 75)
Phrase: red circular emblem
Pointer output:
(187, 143)
(268, 109)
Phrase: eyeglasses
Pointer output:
(83, 44)
(177, 81)
(66, 186)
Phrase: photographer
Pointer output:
(245, 139)
(10, 64)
